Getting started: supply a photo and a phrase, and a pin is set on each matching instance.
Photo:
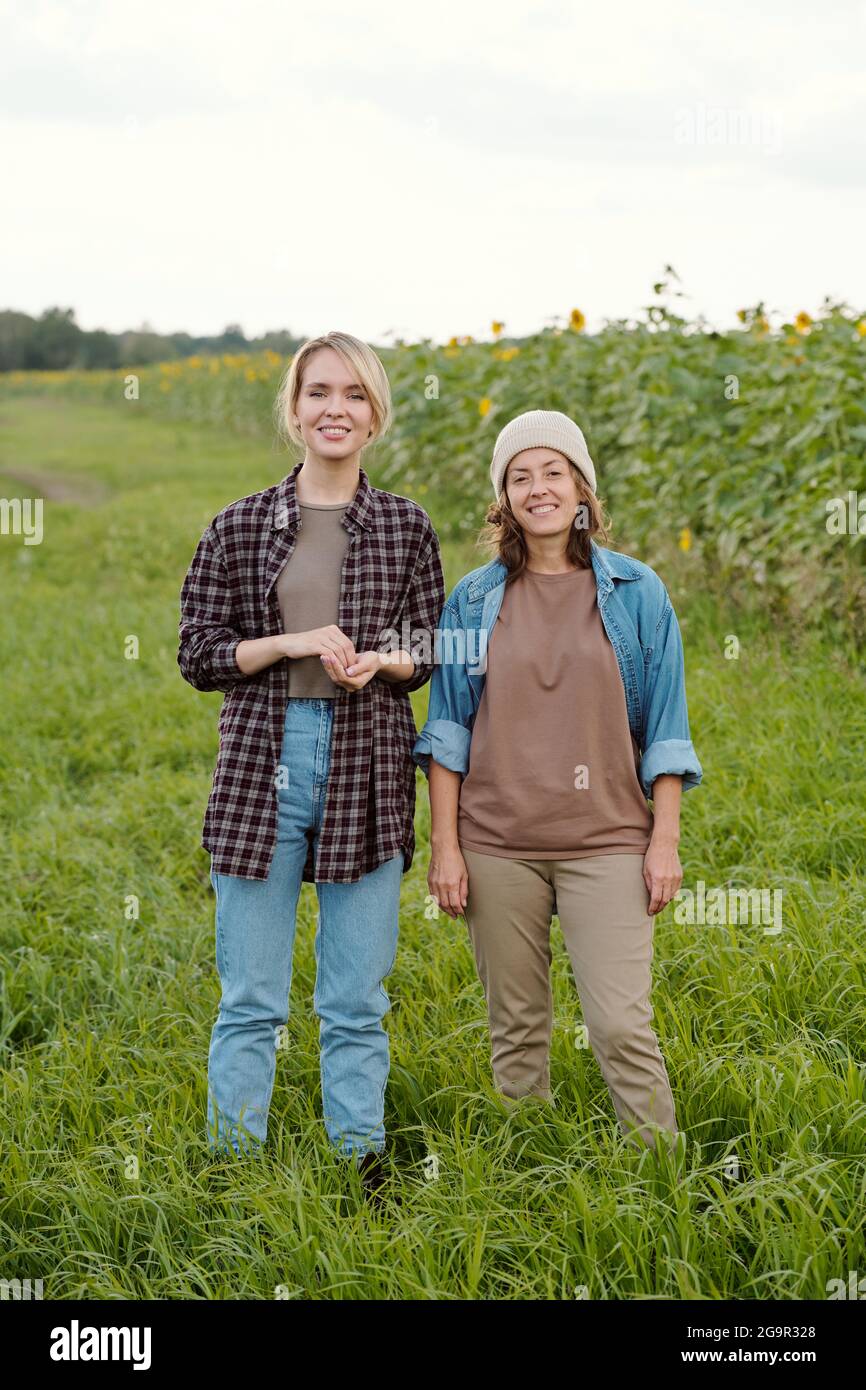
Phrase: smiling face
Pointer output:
(542, 492)
(333, 410)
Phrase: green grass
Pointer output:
(106, 1019)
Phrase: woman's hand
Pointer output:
(662, 873)
(448, 879)
(316, 641)
(356, 674)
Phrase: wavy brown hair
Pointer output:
(502, 535)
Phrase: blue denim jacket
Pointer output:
(645, 635)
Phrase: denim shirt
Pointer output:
(644, 633)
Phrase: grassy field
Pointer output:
(105, 770)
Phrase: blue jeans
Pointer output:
(356, 945)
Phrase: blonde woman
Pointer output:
(285, 609)
(557, 707)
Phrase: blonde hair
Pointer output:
(360, 358)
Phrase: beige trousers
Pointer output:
(601, 902)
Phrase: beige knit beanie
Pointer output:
(540, 429)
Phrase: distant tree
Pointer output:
(281, 341)
(138, 348)
(16, 334)
(97, 349)
(184, 344)
(233, 336)
(55, 340)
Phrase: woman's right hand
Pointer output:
(319, 640)
(448, 879)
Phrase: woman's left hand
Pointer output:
(662, 873)
(356, 676)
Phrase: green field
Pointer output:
(106, 766)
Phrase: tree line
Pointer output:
(54, 341)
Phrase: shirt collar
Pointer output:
(612, 563)
(287, 515)
(608, 565)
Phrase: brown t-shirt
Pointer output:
(308, 590)
(552, 762)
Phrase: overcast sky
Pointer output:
(418, 170)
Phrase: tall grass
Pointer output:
(105, 766)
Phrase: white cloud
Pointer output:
(426, 170)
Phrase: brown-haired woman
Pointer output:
(556, 708)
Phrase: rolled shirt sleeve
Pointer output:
(667, 744)
(446, 742)
(447, 734)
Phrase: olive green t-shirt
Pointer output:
(308, 590)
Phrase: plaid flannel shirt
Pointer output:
(392, 573)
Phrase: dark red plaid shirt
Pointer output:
(392, 572)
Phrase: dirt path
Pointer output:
(80, 490)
